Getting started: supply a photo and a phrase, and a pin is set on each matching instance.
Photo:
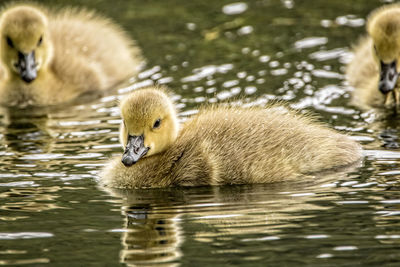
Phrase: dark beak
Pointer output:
(134, 150)
(27, 66)
(388, 77)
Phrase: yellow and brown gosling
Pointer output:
(50, 57)
(219, 145)
(375, 66)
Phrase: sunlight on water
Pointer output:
(246, 53)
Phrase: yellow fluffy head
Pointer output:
(23, 30)
(384, 28)
(149, 112)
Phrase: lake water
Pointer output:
(53, 213)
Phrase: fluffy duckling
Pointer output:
(375, 64)
(52, 57)
(219, 145)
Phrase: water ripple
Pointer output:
(234, 8)
(24, 235)
(310, 42)
(245, 53)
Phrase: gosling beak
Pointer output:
(388, 78)
(134, 150)
(26, 66)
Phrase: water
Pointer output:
(53, 213)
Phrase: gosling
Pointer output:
(219, 145)
(375, 62)
(49, 57)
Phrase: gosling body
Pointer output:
(225, 145)
(51, 57)
(373, 71)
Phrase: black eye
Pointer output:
(157, 124)
(9, 42)
(40, 41)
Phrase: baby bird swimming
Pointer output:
(219, 145)
(49, 57)
(375, 66)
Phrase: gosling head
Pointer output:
(384, 28)
(149, 124)
(24, 46)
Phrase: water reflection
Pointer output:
(383, 125)
(23, 262)
(29, 199)
(249, 53)
(25, 131)
(152, 228)
(159, 222)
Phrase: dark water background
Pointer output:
(53, 213)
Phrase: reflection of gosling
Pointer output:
(151, 237)
(375, 63)
(52, 57)
(152, 230)
(220, 145)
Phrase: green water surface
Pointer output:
(53, 213)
